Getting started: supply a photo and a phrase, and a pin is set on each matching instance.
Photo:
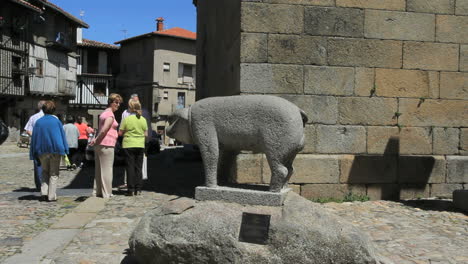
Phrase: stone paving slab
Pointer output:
(73, 221)
(42, 245)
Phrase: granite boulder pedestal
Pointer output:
(190, 231)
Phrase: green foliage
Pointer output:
(350, 197)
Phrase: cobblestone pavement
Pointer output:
(22, 216)
(417, 231)
(410, 232)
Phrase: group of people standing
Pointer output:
(50, 141)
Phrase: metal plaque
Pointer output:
(254, 228)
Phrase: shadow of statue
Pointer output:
(387, 176)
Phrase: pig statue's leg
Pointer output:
(279, 173)
(209, 151)
(290, 169)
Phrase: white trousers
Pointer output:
(50, 172)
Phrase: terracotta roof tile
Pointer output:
(175, 32)
(96, 44)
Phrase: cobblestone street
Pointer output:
(417, 231)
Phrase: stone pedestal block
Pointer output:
(242, 196)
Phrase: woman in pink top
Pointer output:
(104, 144)
(82, 141)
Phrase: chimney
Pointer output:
(159, 24)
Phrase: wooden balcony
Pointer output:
(92, 90)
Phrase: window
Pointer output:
(180, 100)
(39, 67)
(16, 63)
(166, 95)
(17, 82)
(99, 89)
(93, 61)
(185, 73)
(166, 67)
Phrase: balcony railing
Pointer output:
(86, 92)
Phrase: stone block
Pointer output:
(433, 113)
(368, 169)
(295, 188)
(452, 29)
(367, 111)
(268, 78)
(415, 140)
(257, 17)
(457, 169)
(303, 2)
(365, 53)
(464, 141)
(433, 6)
(464, 58)
(399, 25)
(310, 169)
(248, 168)
(310, 133)
(421, 169)
(414, 191)
(405, 83)
(331, 21)
(339, 191)
(460, 199)
(341, 139)
(383, 140)
(430, 56)
(253, 47)
(444, 190)
(242, 196)
(316, 169)
(461, 7)
(383, 192)
(454, 85)
(328, 80)
(319, 109)
(297, 49)
(374, 4)
(446, 140)
(364, 81)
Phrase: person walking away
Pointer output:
(134, 129)
(104, 144)
(29, 130)
(72, 134)
(48, 145)
(82, 140)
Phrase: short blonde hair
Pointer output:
(114, 97)
(135, 107)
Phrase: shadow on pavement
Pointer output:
(175, 172)
(432, 205)
(25, 189)
(29, 198)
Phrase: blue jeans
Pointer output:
(37, 175)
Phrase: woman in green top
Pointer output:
(134, 130)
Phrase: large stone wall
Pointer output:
(385, 86)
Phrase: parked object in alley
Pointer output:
(223, 126)
(24, 140)
(185, 231)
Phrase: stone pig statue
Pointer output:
(222, 126)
